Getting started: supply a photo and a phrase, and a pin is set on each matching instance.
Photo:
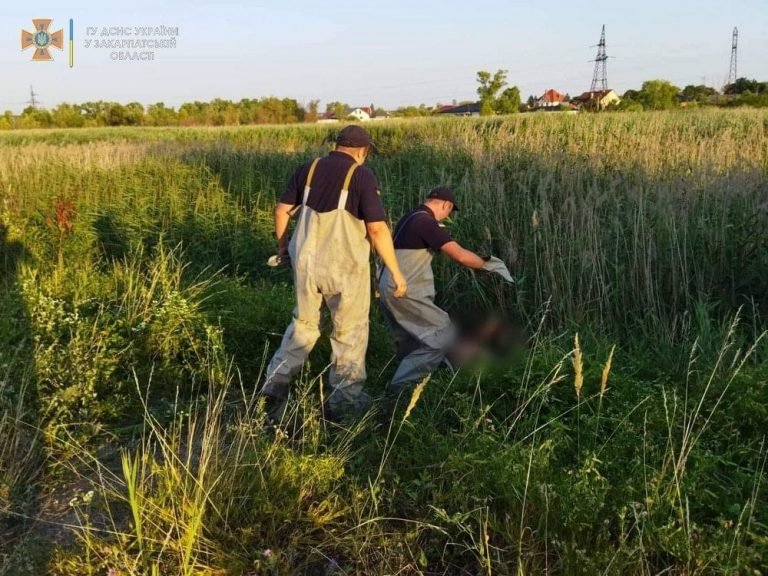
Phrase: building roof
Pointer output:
(552, 96)
(593, 95)
(471, 108)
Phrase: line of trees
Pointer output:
(663, 95)
(495, 97)
(215, 113)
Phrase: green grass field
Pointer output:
(136, 315)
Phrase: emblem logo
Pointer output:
(42, 40)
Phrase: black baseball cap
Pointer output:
(444, 193)
(354, 136)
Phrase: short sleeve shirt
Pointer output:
(363, 202)
(420, 230)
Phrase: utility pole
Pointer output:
(600, 77)
(733, 72)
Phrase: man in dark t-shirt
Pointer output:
(423, 332)
(339, 210)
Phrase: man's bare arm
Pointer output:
(463, 256)
(282, 218)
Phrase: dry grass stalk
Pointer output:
(578, 367)
(415, 396)
(606, 372)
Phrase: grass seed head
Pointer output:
(415, 396)
(578, 367)
(606, 372)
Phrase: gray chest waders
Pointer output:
(423, 332)
(330, 257)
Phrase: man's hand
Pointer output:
(401, 286)
(381, 238)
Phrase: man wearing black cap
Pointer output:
(423, 332)
(339, 210)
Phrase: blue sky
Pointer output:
(386, 53)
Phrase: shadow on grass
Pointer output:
(22, 455)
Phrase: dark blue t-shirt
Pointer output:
(419, 229)
(363, 202)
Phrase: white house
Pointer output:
(597, 99)
(361, 114)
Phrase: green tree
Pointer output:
(490, 85)
(159, 115)
(193, 114)
(6, 120)
(700, 93)
(631, 95)
(509, 101)
(224, 112)
(312, 112)
(95, 113)
(115, 114)
(755, 100)
(134, 114)
(658, 95)
(338, 109)
(627, 105)
(412, 111)
(68, 116)
(36, 118)
(746, 86)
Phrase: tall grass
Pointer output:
(620, 221)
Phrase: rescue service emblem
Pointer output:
(42, 40)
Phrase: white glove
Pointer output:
(496, 266)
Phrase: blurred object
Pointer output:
(489, 338)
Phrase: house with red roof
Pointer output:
(550, 100)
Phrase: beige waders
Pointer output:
(330, 256)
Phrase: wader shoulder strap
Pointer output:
(345, 189)
(308, 185)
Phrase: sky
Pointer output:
(387, 53)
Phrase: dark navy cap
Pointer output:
(444, 193)
(354, 136)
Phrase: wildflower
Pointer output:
(268, 553)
